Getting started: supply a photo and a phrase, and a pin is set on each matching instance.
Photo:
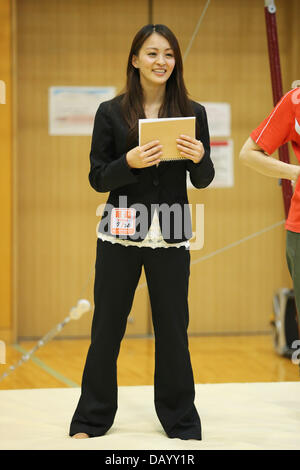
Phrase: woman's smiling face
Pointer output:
(155, 60)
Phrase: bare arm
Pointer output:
(254, 157)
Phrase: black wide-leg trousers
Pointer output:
(118, 269)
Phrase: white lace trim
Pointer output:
(153, 239)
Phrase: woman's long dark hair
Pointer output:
(176, 102)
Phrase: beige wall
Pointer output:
(86, 43)
(232, 291)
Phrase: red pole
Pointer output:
(274, 59)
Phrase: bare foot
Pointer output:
(80, 435)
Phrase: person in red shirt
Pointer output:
(281, 126)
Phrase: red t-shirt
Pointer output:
(280, 127)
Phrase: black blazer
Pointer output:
(162, 188)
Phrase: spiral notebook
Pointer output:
(167, 130)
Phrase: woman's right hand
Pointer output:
(144, 156)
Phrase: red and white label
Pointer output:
(122, 221)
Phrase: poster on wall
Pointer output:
(72, 109)
(222, 156)
(219, 119)
(219, 124)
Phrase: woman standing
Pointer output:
(134, 174)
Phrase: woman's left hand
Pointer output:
(190, 148)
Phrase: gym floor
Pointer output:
(215, 359)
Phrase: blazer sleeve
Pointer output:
(202, 173)
(107, 170)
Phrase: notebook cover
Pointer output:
(166, 130)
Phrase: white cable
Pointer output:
(76, 312)
(242, 240)
(231, 245)
(196, 31)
